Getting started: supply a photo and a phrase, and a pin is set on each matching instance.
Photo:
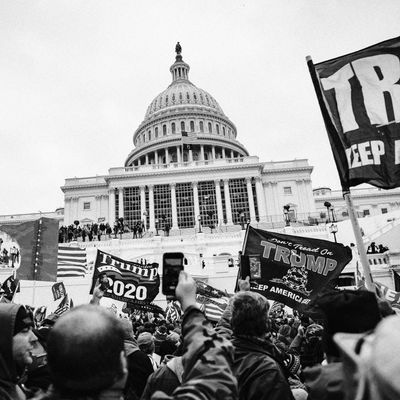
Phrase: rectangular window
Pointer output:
(384, 210)
(86, 205)
(366, 213)
(287, 190)
(185, 205)
(239, 201)
(132, 206)
(162, 206)
(208, 204)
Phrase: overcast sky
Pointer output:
(76, 78)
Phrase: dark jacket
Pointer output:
(257, 365)
(325, 382)
(9, 376)
(167, 378)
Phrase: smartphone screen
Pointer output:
(255, 267)
(172, 266)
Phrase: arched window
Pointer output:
(164, 130)
(173, 127)
(191, 126)
(156, 132)
(223, 131)
(209, 127)
(149, 135)
(217, 126)
(201, 126)
(182, 126)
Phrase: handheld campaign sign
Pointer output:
(129, 282)
(291, 269)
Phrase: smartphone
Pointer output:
(172, 266)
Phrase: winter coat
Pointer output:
(325, 382)
(9, 377)
(257, 365)
(167, 378)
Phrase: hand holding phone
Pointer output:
(172, 266)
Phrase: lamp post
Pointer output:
(156, 221)
(333, 229)
(199, 219)
(241, 218)
(328, 206)
(286, 214)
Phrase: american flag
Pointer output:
(71, 262)
(213, 308)
(64, 305)
(188, 138)
(173, 312)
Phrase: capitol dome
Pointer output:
(182, 113)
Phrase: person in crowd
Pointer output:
(170, 345)
(308, 345)
(160, 336)
(139, 365)
(258, 365)
(145, 342)
(370, 362)
(344, 311)
(166, 378)
(16, 345)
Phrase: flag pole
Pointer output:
(359, 241)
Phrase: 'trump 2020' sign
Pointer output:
(130, 282)
(292, 269)
(359, 95)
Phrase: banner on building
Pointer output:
(128, 281)
(31, 248)
(359, 96)
(291, 269)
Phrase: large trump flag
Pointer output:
(359, 96)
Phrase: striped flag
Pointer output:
(213, 308)
(71, 262)
(188, 138)
(173, 311)
(64, 306)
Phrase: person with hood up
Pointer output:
(16, 345)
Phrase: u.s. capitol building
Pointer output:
(188, 170)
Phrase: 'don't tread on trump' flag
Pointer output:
(359, 97)
(290, 269)
(71, 262)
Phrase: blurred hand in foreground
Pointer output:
(186, 290)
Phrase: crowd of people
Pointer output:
(343, 349)
(374, 248)
(99, 231)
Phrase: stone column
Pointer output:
(262, 211)
(178, 154)
(228, 202)
(190, 155)
(151, 206)
(213, 152)
(202, 152)
(166, 156)
(174, 207)
(251, 200)
(111, 207)
(156, 157)
(98, 206)
(196, 200)
(120, 202)
(147, 159)
(142, 203)
(231, 153)
(219, 201)
(139, 162)
(223, 152)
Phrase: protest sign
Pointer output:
(291, 269)
(129, 282)
(58, 290)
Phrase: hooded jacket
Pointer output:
(9, 377)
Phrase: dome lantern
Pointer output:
(179, 69)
